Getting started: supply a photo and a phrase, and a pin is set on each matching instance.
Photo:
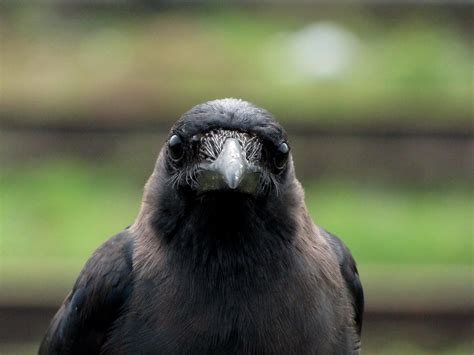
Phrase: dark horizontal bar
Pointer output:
(301, 130)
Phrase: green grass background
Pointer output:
(64, 209)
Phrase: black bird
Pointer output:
(223, 257)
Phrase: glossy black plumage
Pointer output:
(216, 270)
(104, 285)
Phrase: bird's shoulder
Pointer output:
(110, 266)
(350, 274)
(100, 291)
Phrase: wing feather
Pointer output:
(350, 274)
(81, 324)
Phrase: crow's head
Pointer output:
(227, 146)
(224, 173)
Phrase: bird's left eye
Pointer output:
(176, 147)
(281, 155)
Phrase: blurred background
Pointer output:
(376, 98)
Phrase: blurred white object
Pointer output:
(322, 50)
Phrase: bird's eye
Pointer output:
(281, 155)
(176, 147)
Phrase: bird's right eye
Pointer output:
(176, 147)
(281, 155)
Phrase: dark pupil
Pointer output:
(281, 155)
(175, 146)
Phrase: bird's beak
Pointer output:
(230, 170)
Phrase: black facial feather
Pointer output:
(206, 127)
(223, 257)
(230, 114)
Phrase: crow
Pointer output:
(223, 257)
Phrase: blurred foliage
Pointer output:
(64, 210)
(96, 65)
